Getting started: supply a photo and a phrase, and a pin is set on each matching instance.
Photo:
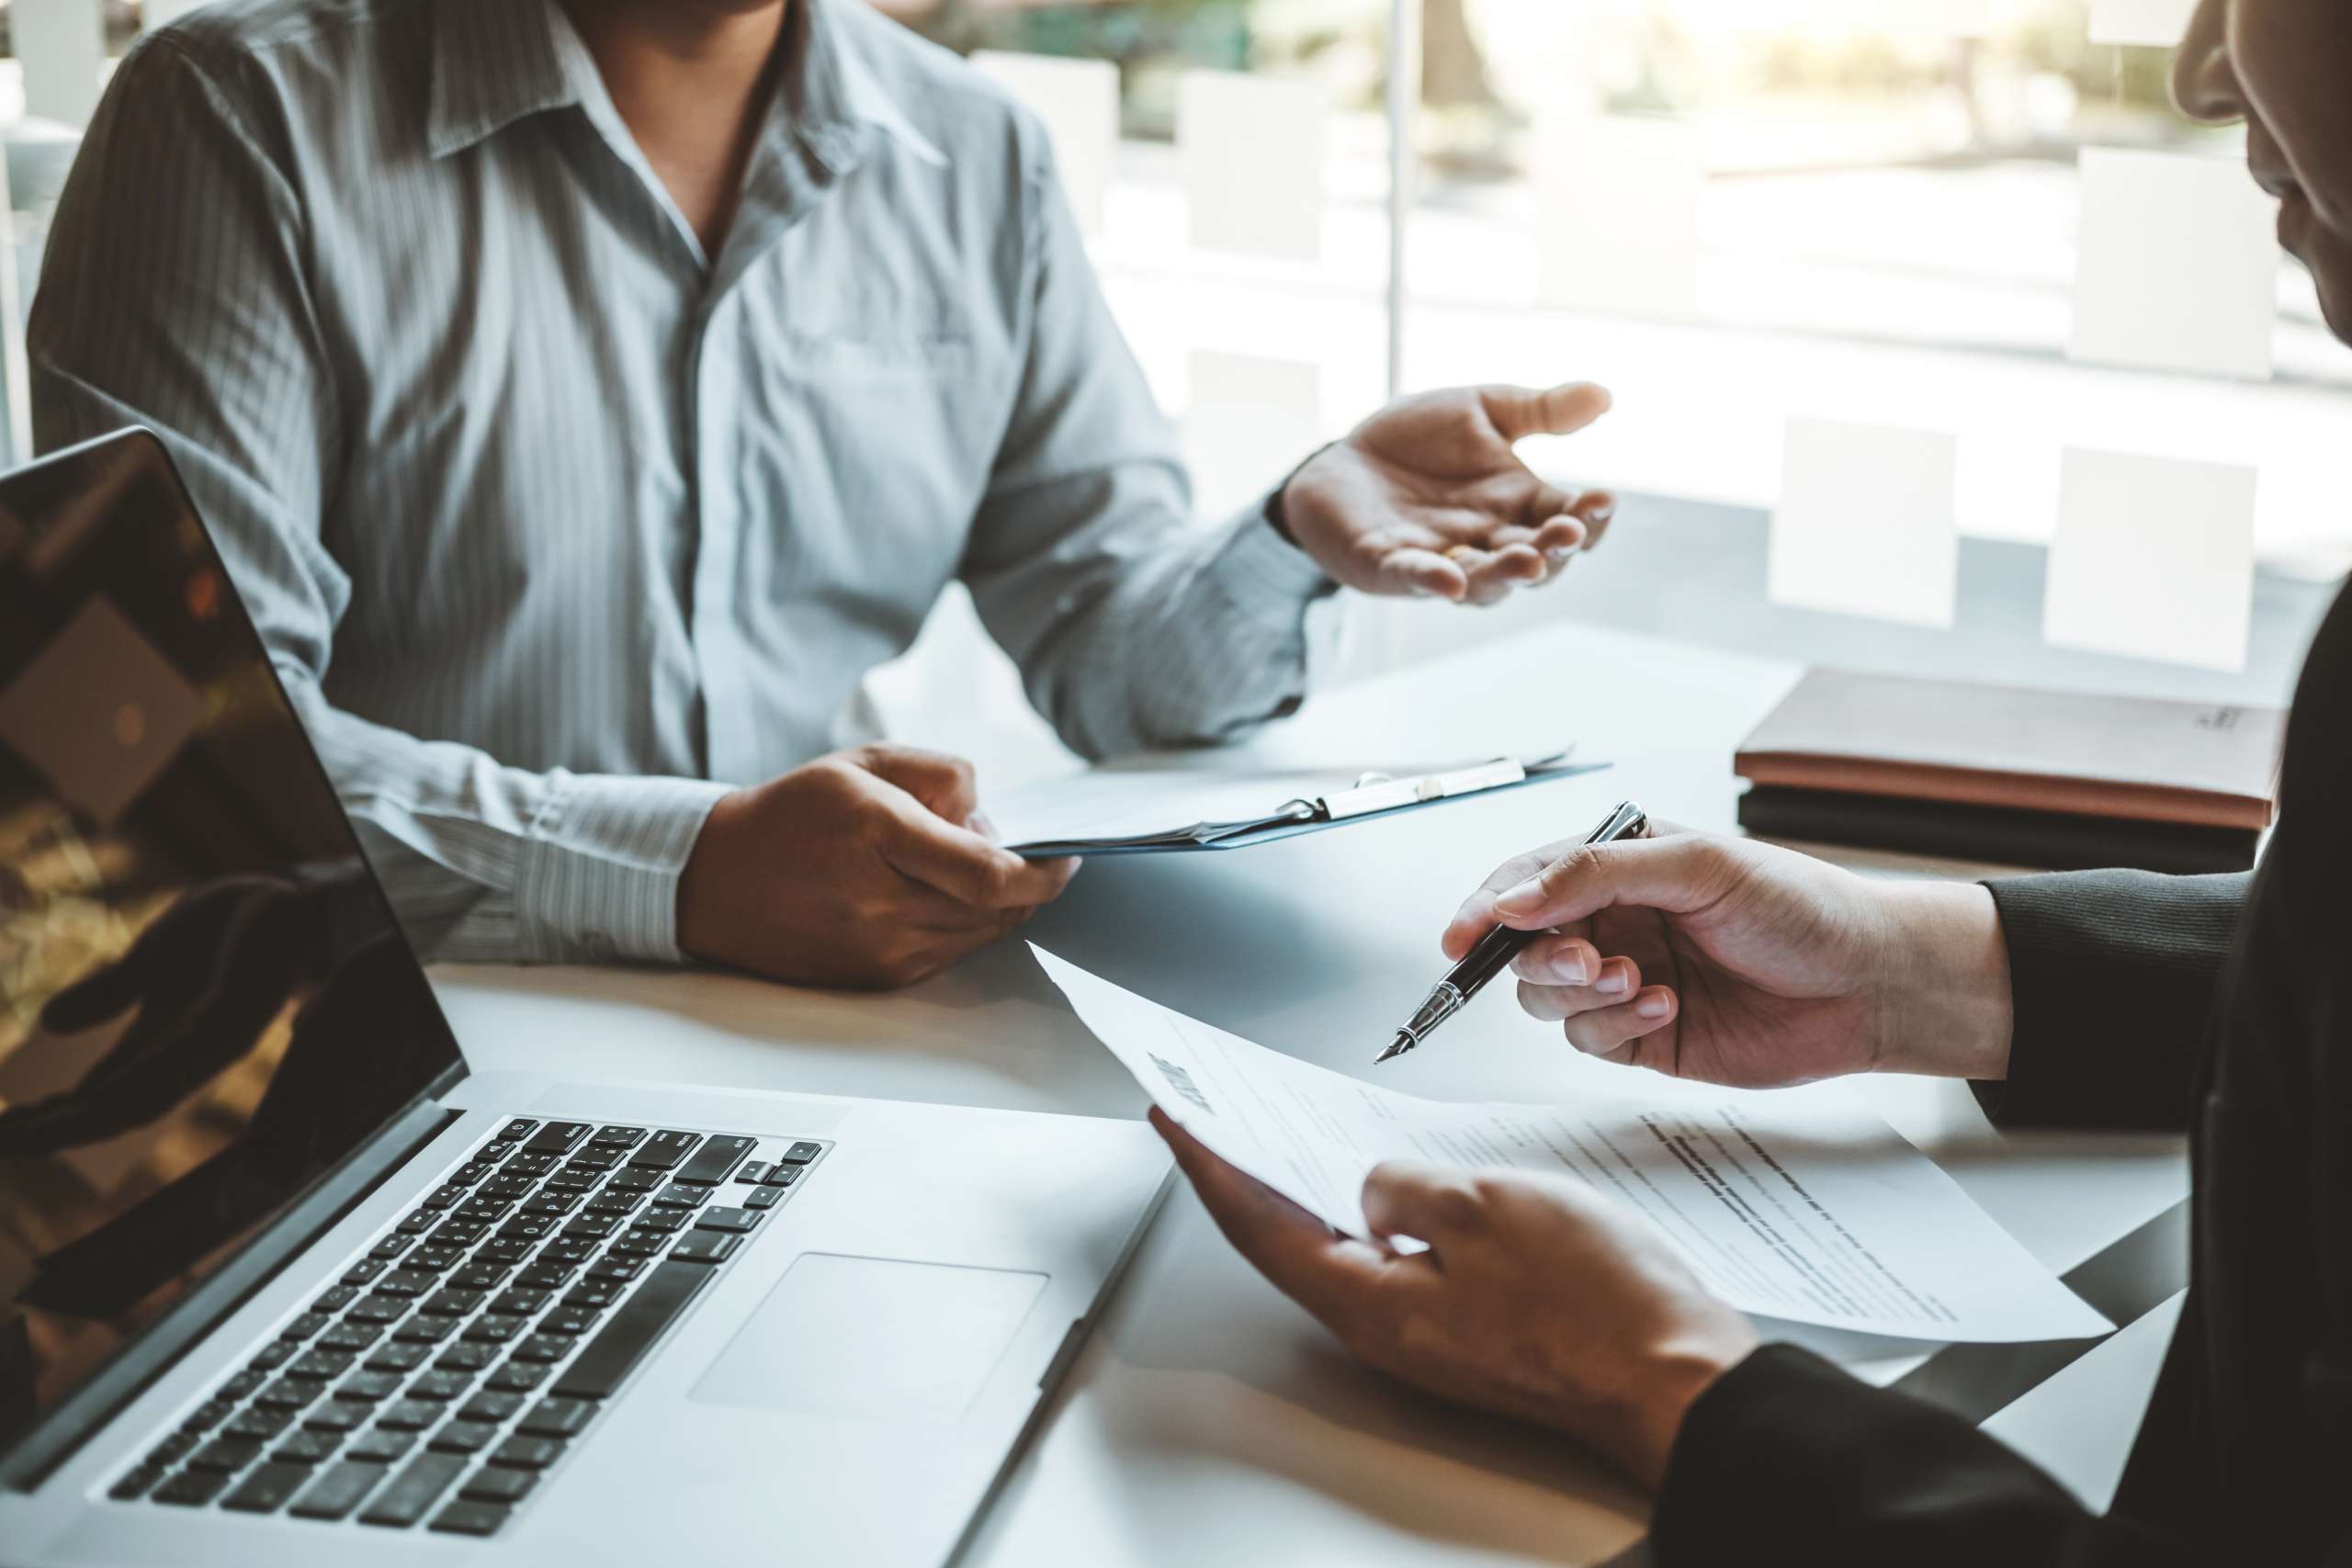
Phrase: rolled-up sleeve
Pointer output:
(1134, 627)
(173, 295)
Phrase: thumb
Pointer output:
(944, 784)
(1676, 875)
(1428, 1203)
(1521, 412)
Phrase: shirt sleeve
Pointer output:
(173, 295)
(1134, 628)
(2113, 975)
(1786, 1449)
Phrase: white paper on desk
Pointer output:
(2176, 265)
(1798, 1204)
(1617, 211)
(1078, 101)
(2153, 559)
(1868, 523)
(1116, 803)
(2157, 24)
(1253, 151)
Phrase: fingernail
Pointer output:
(1603, 514)
(1612, 981)
(1568, 969)
(1524, 899)
(1651, 1007)
(1559, 553)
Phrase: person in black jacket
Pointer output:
(2220, 1005)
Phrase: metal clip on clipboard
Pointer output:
(1373, 795)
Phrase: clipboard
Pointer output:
(1369, 798)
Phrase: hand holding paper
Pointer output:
(1798, 1203)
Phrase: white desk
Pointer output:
(1210, 1421)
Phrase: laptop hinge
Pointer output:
(51, 1440)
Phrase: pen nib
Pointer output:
(1396, 1047)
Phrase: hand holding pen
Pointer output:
(1494, 950)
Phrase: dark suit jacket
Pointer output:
(2222, 1005)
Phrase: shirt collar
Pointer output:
(496, 62)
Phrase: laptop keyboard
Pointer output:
(475, 1342)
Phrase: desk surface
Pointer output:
(1210, 1420)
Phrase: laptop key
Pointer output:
(544, 1349)
(257, 1424)
(306, 1448)
(419, 1221)
(706, 1246)
(616, 1205)
(384, 1445)
(569, 1323)
(414, 1490)
(802, 1153)
(408, 1282)
(566, 1253)
(351, 1336)
(425, 1330)
(492, 1484)
(606, 1359)
(377, 1309)
(665, 1220)
(322, 1366)
(591, 1227)
(571, 1181)
(439, 1385)
(463, 1438)
(399, 1357)
(593, 1295)
(591, 1160)
(449, 1195)
(723, 1218)
(754, 1172)
(460, 1234)
(467, 1516)
(506, 1250)
(781, 1176)
(289, 1393)
(556, 1418)
(481, 1274)
(506, 1189)
(715, 1160)
(450, 1303)
(762, 1197)
(636, 1181)
(171, 1450)
(227, 1455)
(555, 1137)
(336, 1415)
(520, 1302)
(640, 1244)
(553, 1205)
(678, 1195)
(435, 1259)
(391, 1246)
(516, 1377)
(496, 1409)
(337, 1298)
(192, 1488)
(137, 1483)
(545, 1276)
(496, 1329)
(527, 1453)
(209, 1414)
(368, 1387)
(409, 1416)
(366, 1270)
(517, 1130)
(267, 1489)
(530, 1165)
(304, 1324)
(615, 1268)
(666, 1150)
(618, 1137)
(274, 1354)
(337, 1492)
(465, 1358)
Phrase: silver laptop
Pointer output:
(281, 1282)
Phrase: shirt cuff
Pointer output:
(599, 873)
(1265, 576)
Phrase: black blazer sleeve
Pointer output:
(1786, 1459)
(2113, 973)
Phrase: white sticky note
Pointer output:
(1253, 149)
(2176, 265)
(1617, 212)
(2153, 559)
(1868, 523)
(1250, 423)
(2156, 24)
(1078, 101)
(59, 44)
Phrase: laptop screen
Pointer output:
(204, 1001)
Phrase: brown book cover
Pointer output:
(2137, 759)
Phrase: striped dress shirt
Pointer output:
(558, 528)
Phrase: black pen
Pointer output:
(1494, 950)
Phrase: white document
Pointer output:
(1798, 1204)
(2176, 266)
(1078, 101)
(1251, 421)
(1113, 804)
(1617, 212)
(2156, 24)
(2153, 559)
(60, 45)
(1868, 523)
(1253, 150)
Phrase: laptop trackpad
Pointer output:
(872, 1337)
